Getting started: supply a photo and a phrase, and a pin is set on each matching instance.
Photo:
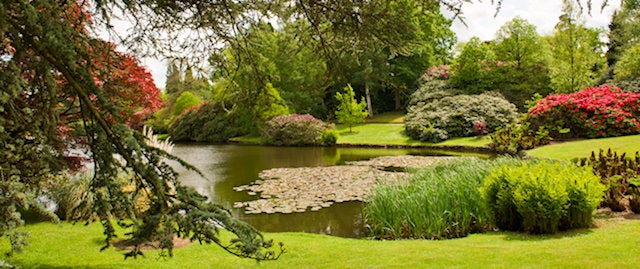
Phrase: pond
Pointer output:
(228, 166)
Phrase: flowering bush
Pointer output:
(438, 119)
(296, 129)
(593, 112)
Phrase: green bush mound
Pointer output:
(206, 123)
(298, 130)
(442, 115)
(542, 197)
(439, 202)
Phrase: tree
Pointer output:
(470, 67)
(628, 66)
(576, 52)
(184, 101)
(350, 111)
(51, 80)
(522, 68)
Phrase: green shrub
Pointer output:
(517, 138)
(72, 196)
(184, 101)
(296, 130)
(205, 123)
(454, 116)
(329, 137)
(542, 197)
(439, 202)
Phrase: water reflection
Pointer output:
(227, 166)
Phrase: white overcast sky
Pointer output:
(480, 20)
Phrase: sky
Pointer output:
(480, 22)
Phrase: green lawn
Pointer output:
(583, 148)
(613, 246)
(393, 134)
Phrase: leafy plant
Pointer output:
(542, 197)
(517, 138)
(350, 111)
(619, 174)
(209, 122)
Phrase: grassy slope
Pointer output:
(614, 246)
(583, 148)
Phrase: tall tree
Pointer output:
(50, 77)
(576, 52)
(523, 62)
(471, 65)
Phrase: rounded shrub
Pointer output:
(296, 130)
(542, 197)
(593, 112)
(209, 122)
(438, 119)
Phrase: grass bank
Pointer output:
(583, 148)
(613, 246)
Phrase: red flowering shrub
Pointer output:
(593, 112)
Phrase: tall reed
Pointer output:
(439, 202)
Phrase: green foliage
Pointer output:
(469, 67)
(296, 130)
(576, 52)
(72, 196)
(206, 123)
(439, 118)
(269, 104)
(184, 101)
(620, 176)
(439, 202)
(329, 137)
(518, 137)
(349, 111)
(542, 197)
(628, 66)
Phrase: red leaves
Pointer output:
(600, 111)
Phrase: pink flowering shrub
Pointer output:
(297, 130)
(593, 112)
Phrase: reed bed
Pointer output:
(440, 202)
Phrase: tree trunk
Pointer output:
(368, 97)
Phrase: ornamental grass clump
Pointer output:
(593, 112)
(298, 130)
(542, 197)
(440, 202)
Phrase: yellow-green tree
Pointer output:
(349, 110)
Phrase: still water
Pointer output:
(228, 166)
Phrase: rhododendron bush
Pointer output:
(296, 130)
(593, 112)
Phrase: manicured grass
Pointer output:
(387, 117)
(393, 134)
(583, 148)
(613, 246)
